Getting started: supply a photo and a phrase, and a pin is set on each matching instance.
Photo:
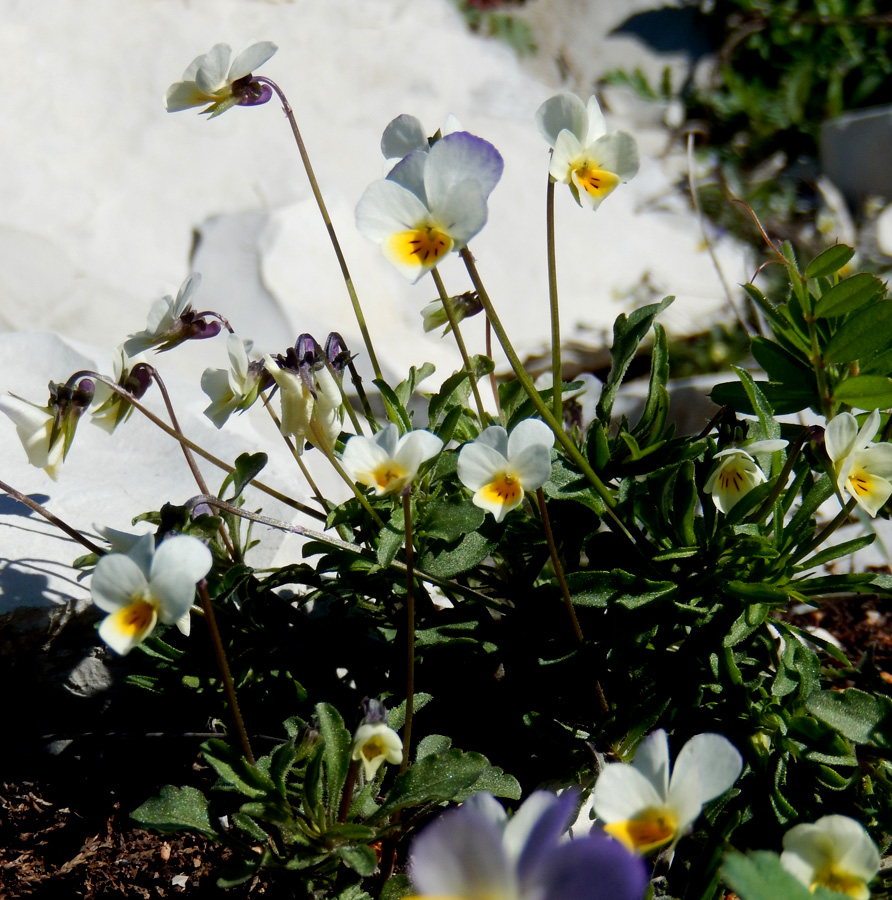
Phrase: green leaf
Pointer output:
(781, 366)
(176, 809)
(616, 588)
(865, 333)
(865, 391)
(363, 860)
(653, 418)
(849, 295)
(433, 779)
(396, 412)
(391, 538)
(760, 404)
(396, 718)
(397, 887)
(406, 388)
(830, 261)
(846, 548)
(450, 521)
(628, 332)
(336, 755)
(433, 743)
(862, 718)
(494, 781)
(760, 876)
(451, 560)
(234, 769)
(247, 467)
(782, 398)
(454, 391)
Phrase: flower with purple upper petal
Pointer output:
(211, 80)
(476, 852)
(431, 203)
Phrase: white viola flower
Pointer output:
(585, 156)
(235, 388)
(431, 203)
(477, 853)
(405, 134)
(835, 852)
(210, 79)
(644, 808)
(147, 585)
(374, 744)
(862, 467)
(109, 409)
(172, 321)
(386, 461)
(736, 473)
(499, 468)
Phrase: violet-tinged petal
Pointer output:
(593, 868)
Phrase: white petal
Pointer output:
(457, 158)
(361, 457)
(616, 152)
(417, 447)
(118, 632)
(532, 466)
(251, 58)
(178, 564)
(652, 760)
(567, 152)
(409, 173)
(462, 213)
(765, 446)
(716, 761)
(478, 464)
(529, 433)
(597, 126)
(117, 579)
(494, 436)
(564, 111)
(387, 208)
(876, 459)
(840, 436)
(185, 95)
(621, 792)
(211, 73)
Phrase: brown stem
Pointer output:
(410, 635)
(55, 520)
(492, 375)
(222, 663)
(556, 562)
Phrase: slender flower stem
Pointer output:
(190, 459)
(222, 663)
(314, 186)
(356, 378)
(453, 321)
(53, 519)
(410, 632)
(200, 451)
(556, 563)
(345, 400)
(492, 375)
(557, 407)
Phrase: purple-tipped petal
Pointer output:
(592, 868)
(553, 820)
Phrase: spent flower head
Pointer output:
(311, 398)
(464, 306)
(46, 432)
(584, 155)
(736, 473)
(146, 585)
(109, 409)
(644, 808)
(237, 387)
(499, 468)
(862, 468)
(387, 462)
(211, 81)
(835, 852)
(477, 853)
(431, 203)
(172, 321)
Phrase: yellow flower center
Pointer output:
(425, 245)
(842, 882)
(373, 748)
(859, 482)
(504, 488)
(137, 617)
(731, 479)
(387, 473)
(647, 831)
(594, 181)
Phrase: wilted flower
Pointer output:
(476, 852)
(147, 585)
(374, 744)
(171, 322)
(46, 432)
(386, 461)
(736, 473)
(584, 155)
(862, 468)
(311, 398)
(211, 80)
(109, 409)
(641, 806)
(835, 852)
(463, 307)
(404, 134)
(433, 202)
(236, 387)
(500, 468)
